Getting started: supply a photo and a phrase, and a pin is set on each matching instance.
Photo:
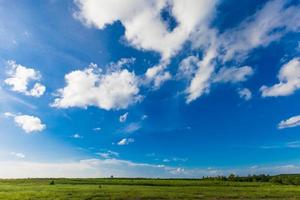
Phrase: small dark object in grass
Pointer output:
(51, 182)
(100, 186)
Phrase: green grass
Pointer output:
(136, 189)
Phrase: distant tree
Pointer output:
(231, 177)
(51, 182)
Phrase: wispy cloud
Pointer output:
(125, 141)
(123, 117)
(290, 122)
(18, 154)
(108, 154)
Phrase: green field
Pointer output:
(143, 189)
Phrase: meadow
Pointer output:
(136, 189)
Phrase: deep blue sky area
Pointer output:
(239, 122)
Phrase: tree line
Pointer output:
(285, 179)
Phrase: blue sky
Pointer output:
(149, 88)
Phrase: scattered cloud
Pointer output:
(115, 89)
(200, 83)
(144, 27)
(233, 74)
(289, 123)
(132, 127)
(203, 75)
(245, 94)
(90, 168)
(294, 144)
(175, 159)
(289, 80)
(18, 155)
(123, 117)
(268, 24)
(97, 129)
(108, 154)
(193, 19)
(157, 75)
(20, 77)
(144, 117)
(76, 136)
(28, 123)
(125, 141)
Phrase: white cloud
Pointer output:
(174, 159)
(293, 144)
(200, 83)
(132, 127)
(125, 141)
(18, 155)
(144, 27)
(268, 24)
(8, 114)
(97, 129)
(245, 93)
(188, 67)
(233, 74)
(289, 80)
(20, 77)
(123, 117)
(108, 154)
(115, 89)
(157, 75)
(289, 123)
(146, 30)
(28, 123)
(201, 74)
(91, 168)
(76, 136)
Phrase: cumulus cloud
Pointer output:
(20, 77)
(28, 123)
(114, 89)
(245, 94)
(146, 29)
(289, 80)
(289, 123)
(123, 117)
(125, 141)
(144, 26)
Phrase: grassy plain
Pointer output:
(136, 189)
